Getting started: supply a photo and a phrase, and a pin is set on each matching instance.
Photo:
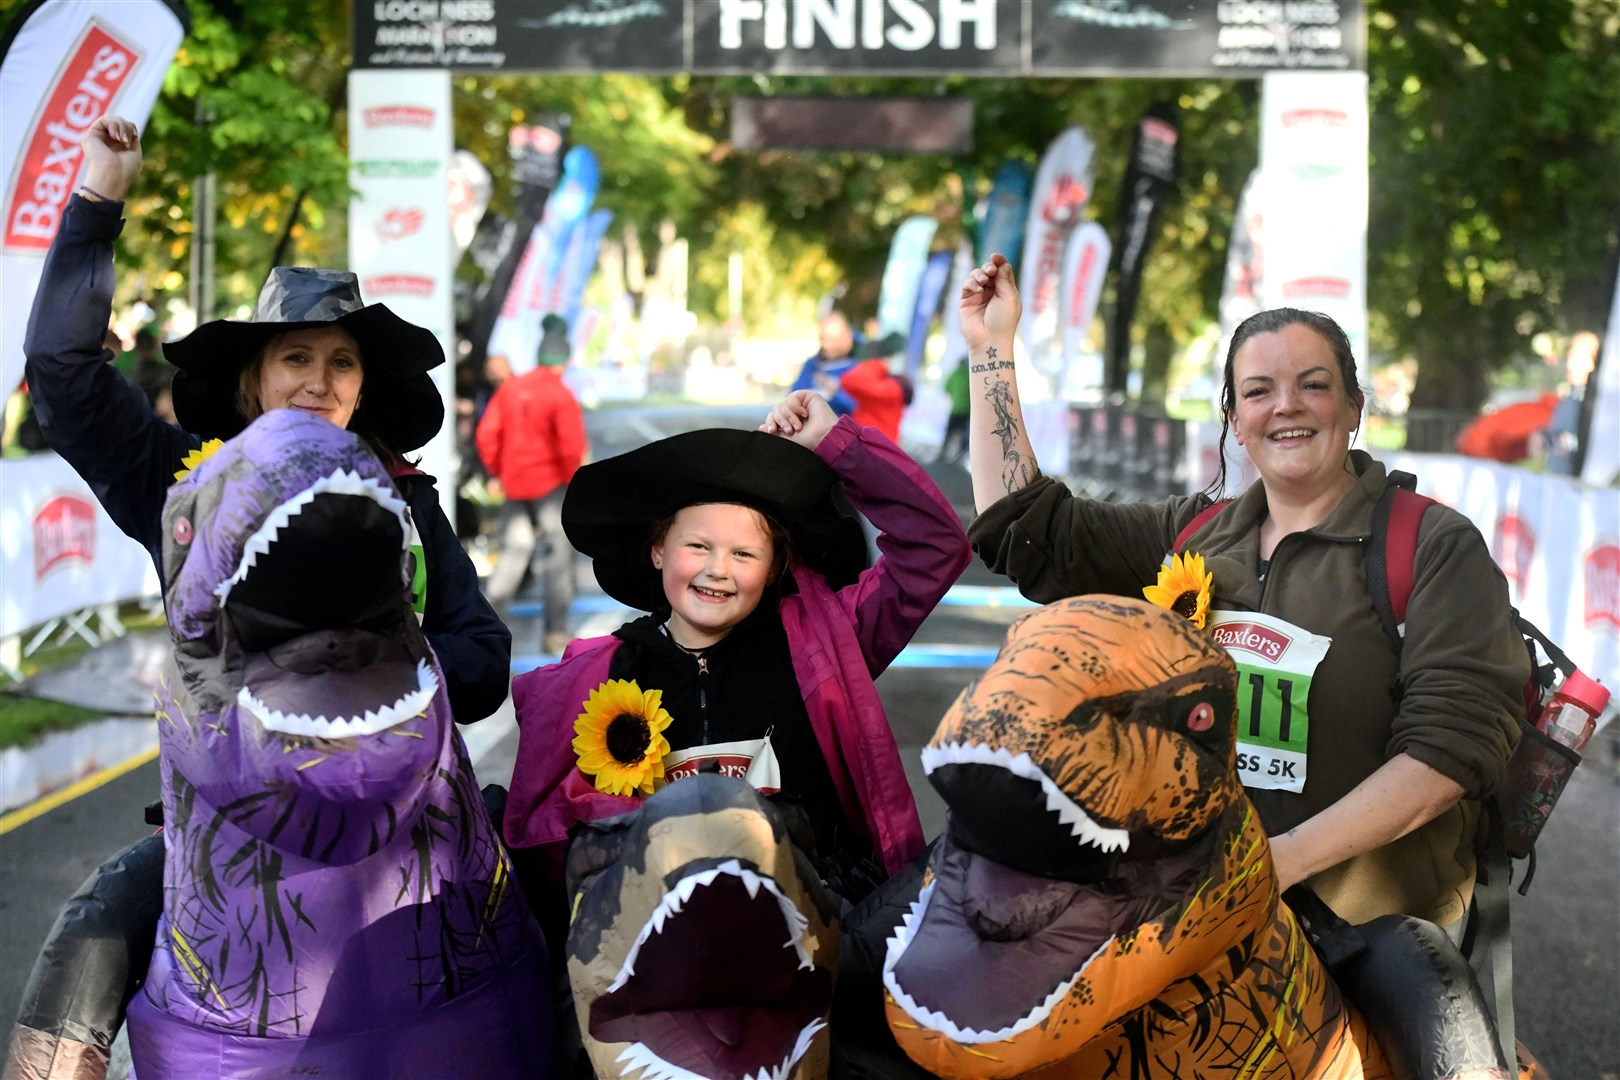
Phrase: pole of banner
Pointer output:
(202, 238)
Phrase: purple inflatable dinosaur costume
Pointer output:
(336, 901)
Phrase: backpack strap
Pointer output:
(1391, 557)
(1199, 520)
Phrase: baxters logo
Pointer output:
(1063, 205)
(64, 530)
(1513, 546)
(86, 87)
(1602, 572)
(398, 285)
(399, 116)
(399, 222)
(1321, 288)
(1324, 117)
(1263, 641)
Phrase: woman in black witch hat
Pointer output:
(312, 344)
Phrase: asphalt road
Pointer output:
(1566, 931)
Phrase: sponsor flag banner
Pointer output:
(516, 333)
(400, 245)
(1602, 437)
(536, 151)
(584, 245)
(1057, 205)
(902, 275)
(1006, 212)
(1085, 265)
(470, 189)
(1150, 179)
(935, 274)
(955, 343)
(59, 551)
(63, 65)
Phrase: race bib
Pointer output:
(1276, 661)
(752, 760)
(416, 564)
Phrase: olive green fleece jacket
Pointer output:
(1454, 704)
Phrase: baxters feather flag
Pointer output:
(1006, 211)
(1056, 208)
(63, 65)
(1084, 266)
(902, 275)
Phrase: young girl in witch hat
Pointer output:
(764, 625)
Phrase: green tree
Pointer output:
(1495, 210)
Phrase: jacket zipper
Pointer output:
(703, 697)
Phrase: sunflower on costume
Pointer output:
(196, 457)
(1183, 588)
(619, 738)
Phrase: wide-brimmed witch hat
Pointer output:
(400, 406)
(612, 505)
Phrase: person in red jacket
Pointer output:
(532, 439)
(880, 396)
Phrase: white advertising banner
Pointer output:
(400, 242)
(59, 551)
(70, 63)
(1556, 540)
(1313, 155)
(1602, 466)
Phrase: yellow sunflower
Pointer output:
(1183, 587)
(619, 738)
(196, 457)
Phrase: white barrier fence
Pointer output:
(59, 551)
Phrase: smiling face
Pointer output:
(317, 371)
(1294, 414)
(716, 560)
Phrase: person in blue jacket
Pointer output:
(312, 344)
(824, 371)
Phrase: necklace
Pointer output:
(687, 649)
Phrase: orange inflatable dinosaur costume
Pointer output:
(1103, 902)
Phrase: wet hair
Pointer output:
(781, 539)
(1270, 322)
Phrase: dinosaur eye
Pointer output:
(1202, 717)
(182, 530)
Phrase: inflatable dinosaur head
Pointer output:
(702, 942)
(330, 870)
(287, 561)
(1094, 815)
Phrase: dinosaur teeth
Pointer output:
(675, 899)
(938, 1021)
(340, 482)
(1081, 825)
(638, 1057)
(322, 727)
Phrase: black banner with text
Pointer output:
(1077, 38)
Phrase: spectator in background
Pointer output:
(836, 356)
(880, 394)
(149, 371)
(532, 439)
(954, 447)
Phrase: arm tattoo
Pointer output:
(990, 363)
(1015, 471)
